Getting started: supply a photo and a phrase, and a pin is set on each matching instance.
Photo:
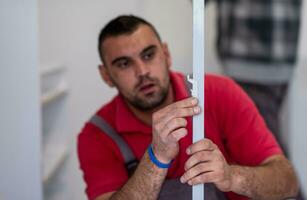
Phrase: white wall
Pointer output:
(19, 87)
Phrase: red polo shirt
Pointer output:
(232, 122)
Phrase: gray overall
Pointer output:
(172, 188)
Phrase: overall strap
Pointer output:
(124, 148)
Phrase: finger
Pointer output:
(208, 177)
(181, 113)
(185, 103)
(201, 156)
(173, 125)
(202, 145)
(183, 108)
(186, 112)
(197, 170)
(176, 135)
(163, 120)
(188, 102)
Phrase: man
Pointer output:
(152, 114)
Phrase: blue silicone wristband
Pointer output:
(156, 161)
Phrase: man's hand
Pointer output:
(274, 178)
(169, 126)
(207, 164)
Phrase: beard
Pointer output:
(152, 100)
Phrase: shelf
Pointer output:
(53, 157)
(52, 68)
(55, 146)
(54, 94)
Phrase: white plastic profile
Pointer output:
(198, 82)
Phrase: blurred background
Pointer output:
(50, 86)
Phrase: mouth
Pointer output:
(147, 88)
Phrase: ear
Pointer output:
(104, 73)
(167, 54)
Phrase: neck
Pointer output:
(146, 116)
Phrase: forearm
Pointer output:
(145, 183)
(272, 180)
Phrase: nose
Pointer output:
(141, 69)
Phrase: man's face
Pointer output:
(137, 64)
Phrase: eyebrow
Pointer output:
(150, 47)
(119, 59)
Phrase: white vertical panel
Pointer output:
(298, 107)
(19, 87)
(198, 76)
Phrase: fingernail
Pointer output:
(182, 179)
(197, 109)
(188, 151)
(194, 101)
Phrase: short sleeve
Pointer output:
(248, 140)
(102, 165)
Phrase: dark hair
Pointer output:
(124, 24)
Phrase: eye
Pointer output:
(148, 55)
(122, 64)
